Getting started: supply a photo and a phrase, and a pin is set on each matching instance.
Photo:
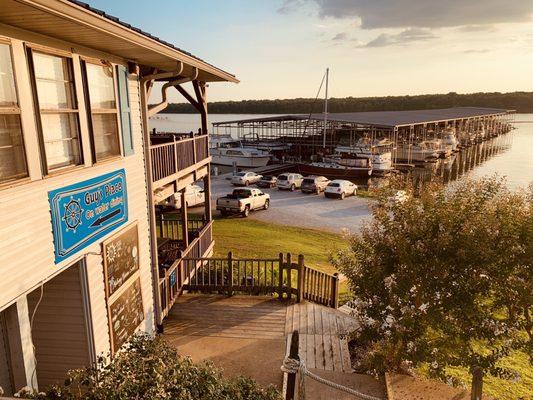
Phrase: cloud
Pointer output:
(477, 51)
(404, 37)
(420, 13)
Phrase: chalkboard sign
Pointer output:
(125, 314)
(121, 258)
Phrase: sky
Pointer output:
(280, 48)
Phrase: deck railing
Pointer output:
(278, 277)
(172, 279)
(173, 228)
(170, 158)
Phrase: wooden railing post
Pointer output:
(280, 277)
(230, 274)
(300, 288)
(335, 291)
(289, 276)
(175, 151)
(291, 377)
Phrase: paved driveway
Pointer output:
(305, 210)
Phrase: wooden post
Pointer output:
(230, 274)
(291, 377)
(289, 276)
(335, 291)
(280, 276)
(161, 225)
(207, 196)
(184, 219)
(300, 288)
(477, 383)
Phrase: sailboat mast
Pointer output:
(325, 110)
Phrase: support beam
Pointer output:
(207, 195)
(184, 219)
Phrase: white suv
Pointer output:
(290, 181)
(340, 188)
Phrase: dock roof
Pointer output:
(387, 119)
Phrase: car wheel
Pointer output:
(293, 187)
(342, 196)
(224, 213)
(246, 211)
(267, 204)
(317, 191)
(246, 183)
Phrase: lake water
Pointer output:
(509, 155)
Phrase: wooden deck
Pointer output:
(321, 329)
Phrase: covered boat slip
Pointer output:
(309, 132)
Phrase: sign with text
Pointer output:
(86, 211)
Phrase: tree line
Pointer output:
(519, 101)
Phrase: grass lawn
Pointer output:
(248, 238)
(503, 389)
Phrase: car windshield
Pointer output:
(282, 177)
(240, 174)
(309, 181)
(334, 184)
(242, 193)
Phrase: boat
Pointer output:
(419, 152)
(225, 150)
(378, 150)
(449, 139)
(339, 166)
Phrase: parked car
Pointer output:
(290, 181)
(194, 196)
(242, 201)
(314, 184)
(245, 178)
(340, 188)
(267, 181)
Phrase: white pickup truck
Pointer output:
(242, 201)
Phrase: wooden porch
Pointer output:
(263, 323)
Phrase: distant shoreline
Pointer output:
(521, 102)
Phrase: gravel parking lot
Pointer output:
(304, 210)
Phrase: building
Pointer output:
(80, 270)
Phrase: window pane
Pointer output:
(105, 133)
(60, 134)
(12, 158)
(101, 86)
(54, 85)
(8, 95)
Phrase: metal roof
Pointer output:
(387, 119)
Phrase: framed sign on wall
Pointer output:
(123, 285)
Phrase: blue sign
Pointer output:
(86, 211)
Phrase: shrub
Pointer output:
(444, 278)
(148, 368)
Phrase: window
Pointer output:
(56, 99)
(103, 110)
(12, 155)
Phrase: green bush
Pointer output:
(444, 278)
(148, 368)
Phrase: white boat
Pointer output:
(418, 152)
(225, 150)
(379, 151)
(449, 139)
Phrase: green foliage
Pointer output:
(519, 101)
(444, 278)
(148, 368)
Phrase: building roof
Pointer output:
(387, 119)
(77, 22)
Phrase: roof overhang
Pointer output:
(77, 23)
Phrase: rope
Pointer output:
(293, 366)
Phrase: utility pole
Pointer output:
(325, 110)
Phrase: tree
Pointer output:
(148, 368)
(443, 278)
